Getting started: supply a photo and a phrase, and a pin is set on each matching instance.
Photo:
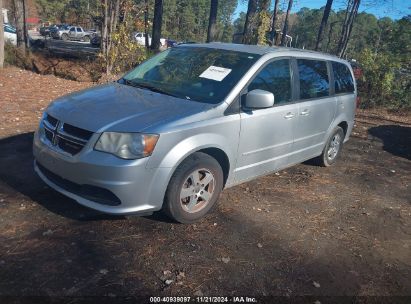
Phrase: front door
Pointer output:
(72, 32)
(79, 33)
(266, 137)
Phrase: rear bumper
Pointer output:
(101, 181)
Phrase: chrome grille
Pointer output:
(66, 137)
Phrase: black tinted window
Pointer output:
(313, 78)
(343, 81)
(275, 78)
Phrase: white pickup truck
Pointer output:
(75, 33)
(141, 39)
(10, 34)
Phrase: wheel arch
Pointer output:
(344, 125)
(215, 152)
(221, 157)
(340, 121)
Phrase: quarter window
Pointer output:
(275, 77)
(313, 78)
(343, 81)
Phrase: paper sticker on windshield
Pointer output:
(215, 73)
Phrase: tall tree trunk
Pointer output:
(323, 24)
(351, 24)
(350, 15)
(250, 20)
(212, 21)
(146, 40)
(111, 11)
(157, 21)
(273, 21)
(1, 36)
(26, 32)
(19, 9)
(344, 26)
(330, 32)
(285, 29)
(104, 29)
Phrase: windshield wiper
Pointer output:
(148, 87)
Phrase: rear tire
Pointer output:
(332, 149)
(194, 188)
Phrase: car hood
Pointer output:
(121, 108)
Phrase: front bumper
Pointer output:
(131, 187)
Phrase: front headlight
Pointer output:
(127, 145)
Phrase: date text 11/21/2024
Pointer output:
(203, 299)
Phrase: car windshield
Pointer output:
(195, 73)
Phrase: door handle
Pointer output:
(305, 112)
(289, 115)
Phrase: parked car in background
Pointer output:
(95, 40)
(141, 39)
(57, 30)
(10, 34)
(171, 43)
(192, 120)
(73, 33)
(45, 30)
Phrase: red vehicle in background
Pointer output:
(357, 75)
(356, 69)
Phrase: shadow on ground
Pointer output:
(311, 244)
(16, 170)
(396, 139)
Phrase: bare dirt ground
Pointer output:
(344, 230)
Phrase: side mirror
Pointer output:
(259, 99)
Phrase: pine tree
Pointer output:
(212, 21)
(323, 24)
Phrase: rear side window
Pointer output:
(275, 77)
(343, 81)
(313, 78)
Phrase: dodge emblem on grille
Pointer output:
(55, 139)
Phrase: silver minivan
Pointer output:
(191, 121)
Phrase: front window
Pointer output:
(194, 73)
(275, 77)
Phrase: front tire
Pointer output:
(194, 188)
(332, 149)
(64, 37)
